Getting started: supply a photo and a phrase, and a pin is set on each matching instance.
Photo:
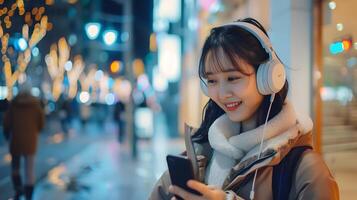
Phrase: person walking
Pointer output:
(23, 122)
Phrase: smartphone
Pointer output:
(180, 169)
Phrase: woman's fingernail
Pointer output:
(189, 182)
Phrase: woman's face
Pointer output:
(236, 93)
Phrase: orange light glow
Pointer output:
(28, 17)
(38, 17)
(1, 31)
(13, 6)
(49, 26)
(50, 2)
(72, 1)
(138, 67)
(41, 10)
(153, 42)
(34, 11)
(115, 66)
(11, 13)
(7, 158)
(346, 44)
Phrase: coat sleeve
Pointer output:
(314, 180)
(161, 188)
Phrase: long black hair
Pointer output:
(236, 43)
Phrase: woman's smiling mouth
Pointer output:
(232, 105)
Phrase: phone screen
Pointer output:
(180, 169)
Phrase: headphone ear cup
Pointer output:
(262, 79)
(271, 77)
(277, 76)
(203, 85)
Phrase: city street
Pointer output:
(91, 164)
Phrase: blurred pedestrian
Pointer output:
(119, 119)
(23, 122)
(85, 112)
(65, 115)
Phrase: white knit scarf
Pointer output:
(230, 146)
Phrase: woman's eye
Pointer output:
(233, 78)
(211, 81)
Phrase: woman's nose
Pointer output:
(224, 91)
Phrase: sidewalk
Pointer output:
(53, 149)
(95, 166)
(105, 170)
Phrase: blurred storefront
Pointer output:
(334, 79)
(339, 59)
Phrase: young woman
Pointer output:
(253, 144)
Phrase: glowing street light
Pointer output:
(110, 99)
(68, 66)
(339, 27)
(84, 97)
(332, 5)
(35, 51)
(98, 75)
(22, 44)
(110, 36)
(92, 30)
(115, 66)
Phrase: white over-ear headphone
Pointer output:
(271, 74)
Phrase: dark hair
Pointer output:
(236, 43)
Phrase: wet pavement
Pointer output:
(53, 149)
(91, 164)
(105, 170)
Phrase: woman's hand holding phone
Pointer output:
(207, 192)
(183, 184)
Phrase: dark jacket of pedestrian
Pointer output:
(23, 122)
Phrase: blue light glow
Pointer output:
(92, 30)
(110, 37)
(336, 48)
(22, 44)
(110, 99)
(35, 51)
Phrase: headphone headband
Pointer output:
(258, 33)
(271, 75)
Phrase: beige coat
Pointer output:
(24, 121)
(312, 179)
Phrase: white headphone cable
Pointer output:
(251, 196)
